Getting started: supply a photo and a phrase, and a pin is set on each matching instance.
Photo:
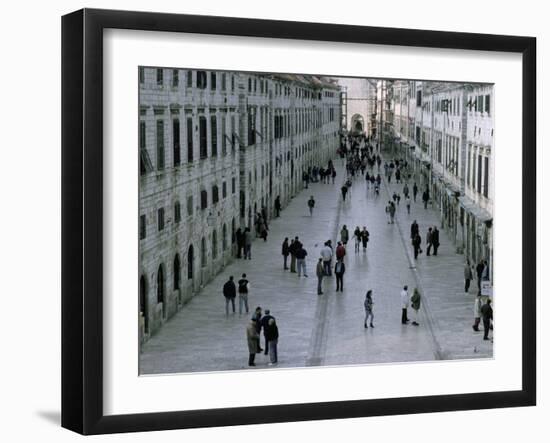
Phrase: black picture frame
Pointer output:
(82, 215)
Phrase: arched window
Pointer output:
(224, 238)
(177, 272)
(214, 245)
(233, 239)
(143, 302)
(160, 284)
(203, 252)
(190, 260)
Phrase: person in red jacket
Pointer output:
(340, 251)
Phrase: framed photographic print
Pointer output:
(333, 213)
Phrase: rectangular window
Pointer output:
(142, 227)
(160, 144)
(175, 78)
(486, 177)
(190, 140)
(233, 138)
(224, 80)
(488, 104)
(176, 141)
(224, 189)
(468, 165)
(204, 199)
(160, 219)
(224, 136)
(251, 126)
(233, 185)
(215, 195)
(418, 98)
(177, 212)
(214, 135)
(202, 137)
(201, 79)
(479, 164)
(479, 103)
(141, 74)
(142, 148)
(212, 81)
(189, 79)
(160, 77)
(190, 205)
(232, 83)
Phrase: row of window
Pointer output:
(190, 208)
(199, 79)
(215, 143)
(477, 172)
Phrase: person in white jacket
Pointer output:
(404, 305)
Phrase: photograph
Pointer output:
(291, 220)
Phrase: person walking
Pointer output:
(344, 235)
(263, 325)
(230, 293)
(429, 242)
(392, 213)
(478, 303)
(247, 244)
(285, 251)
(404, 305)
(487, 315)
(326, 256)
(406, 190)
(415, 305)
(263, 228)
(311, 205)
(243, 294)
(435, 239)
(272, 338)
(365, 237)
(417, 242)
(277, 206)
(301, 254)
(239, 237)
(368, 309)
(253, 340)
(339, 270)
(340, 251)
(357, 236)
(414, 229)
(320, 272)
(292, 250)
(258, 316)
(344, 192)
(426, 197)
(415, 191)
(467, 276)
(388, 206)
(408, 204)
(479, 271)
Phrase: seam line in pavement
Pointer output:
(432, 324)
(319, 333)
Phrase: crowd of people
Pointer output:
(360, 160)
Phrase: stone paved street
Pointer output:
(328, 329)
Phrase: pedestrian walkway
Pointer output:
(328, 329)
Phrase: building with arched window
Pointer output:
(214, 151)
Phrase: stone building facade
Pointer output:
(215, 147)
(446, 132)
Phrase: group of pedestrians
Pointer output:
(432, 240)
(295, 249)
(412, 301)
(243, 238)
(268, 324)
(230, 293)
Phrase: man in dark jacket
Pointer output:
(414, 229)
(417, 241)
(263, 323)
(479, 271)
(487, 315)
(229, 292)
(435, 239)
(277, 206)
(339, 270)
(285, 250)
